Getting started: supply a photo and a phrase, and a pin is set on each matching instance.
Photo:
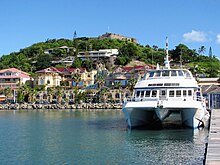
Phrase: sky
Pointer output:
(194, 23)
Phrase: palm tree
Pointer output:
(8, 92)
(50, 92)
(76, 77)
(59, 94)
(100, 81)
(117, 85)
(79, 96)
(104, 92)
(202, 50)
(32, 95)
(131, 84)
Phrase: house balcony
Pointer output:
(119, 77)
(9, 85)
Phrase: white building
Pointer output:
(98, 54)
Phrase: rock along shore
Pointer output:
(85, 106)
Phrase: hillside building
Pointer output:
(117, 36)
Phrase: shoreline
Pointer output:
(84, 106)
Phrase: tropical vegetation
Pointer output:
(34, 58)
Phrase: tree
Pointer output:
(202, 50)
(77, 63)
(100, 81)
(131, 84)
(104, 93)
(76, 77)
(32, 93)
(8, 92)
(50, 92)
(59, 94)
(44, 61)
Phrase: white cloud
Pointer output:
(218, 38)
(195, 36)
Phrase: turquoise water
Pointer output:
(66, 137)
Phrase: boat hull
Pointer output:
(192, 117)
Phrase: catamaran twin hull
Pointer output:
(152, 113)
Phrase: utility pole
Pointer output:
(181, 61)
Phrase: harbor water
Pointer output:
(97, 137)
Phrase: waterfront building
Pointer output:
(212, 95)
(65, 77)
(49, 77)
(122, 75)
(13, 78)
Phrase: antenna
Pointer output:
(166, 60)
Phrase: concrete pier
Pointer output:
(213, 147)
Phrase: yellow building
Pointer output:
(51, 77)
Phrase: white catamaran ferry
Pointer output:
(165, 91)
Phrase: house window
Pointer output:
(41, 81)
(44, 96)
(48, 81)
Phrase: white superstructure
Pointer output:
(165, 91)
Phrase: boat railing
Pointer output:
(162, 98)
(138, 99)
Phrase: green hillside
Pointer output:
(33, 58)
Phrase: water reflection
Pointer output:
(168, 146)
(101, 137)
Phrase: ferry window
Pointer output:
(178, 93)
(165, 73)
(142, 93)
(171, 93)
(151, 74)
(138, 93)
(147, 94)
(180, 73)
(173, 73)
(163, 93)
(189, 93)
(184, 93)
(154, 93)
(187, 74)
(157, 74)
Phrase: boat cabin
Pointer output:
(178, 73)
